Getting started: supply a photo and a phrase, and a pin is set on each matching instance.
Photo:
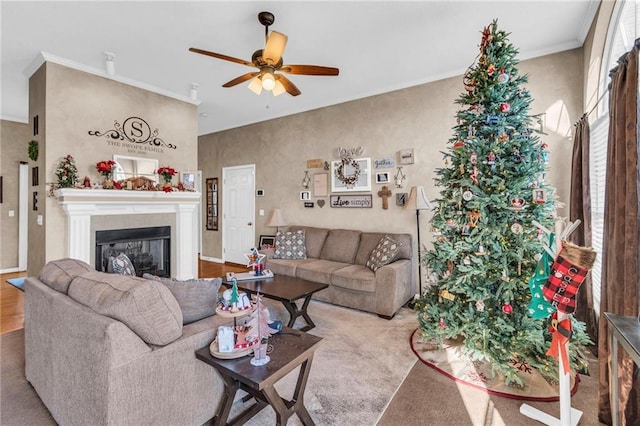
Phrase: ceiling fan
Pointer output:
(269, 63)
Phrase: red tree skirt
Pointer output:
(456, 366)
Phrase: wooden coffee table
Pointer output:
(291, 348)
(287, 290)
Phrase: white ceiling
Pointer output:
(378, 46)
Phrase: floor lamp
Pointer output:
(418, 201)
(277, 220)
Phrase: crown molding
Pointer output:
(43, 57)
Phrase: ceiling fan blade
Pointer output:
(223, 57)
(241, 79)
(288, 85)
(274, 48)
(309, 70)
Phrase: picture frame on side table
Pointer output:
(267, 241)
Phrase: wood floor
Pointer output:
(12, 299)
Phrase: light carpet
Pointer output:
(356, 371)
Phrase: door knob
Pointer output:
(249, 224)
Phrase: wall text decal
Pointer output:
(134, 130)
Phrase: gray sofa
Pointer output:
(338, 257)
(93, 369)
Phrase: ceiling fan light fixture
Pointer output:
(276, 42)
(256, 86)
(268, 81)
(278, 89)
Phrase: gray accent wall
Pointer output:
(70, 103)
(420, 118)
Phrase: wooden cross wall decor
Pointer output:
(385, 194)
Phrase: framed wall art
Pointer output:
(406, 156)
(383, 177)
(188, 180)
(212, 204)
(351, 175)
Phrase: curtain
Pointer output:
(620, 260)
(580, 209)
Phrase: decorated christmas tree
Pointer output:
(486, 247)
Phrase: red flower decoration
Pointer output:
(166, 189)
(507, 308)
(105, 167)
(117, 185)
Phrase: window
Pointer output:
(623, 30)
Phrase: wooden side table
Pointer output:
(626, 331)
(291, 348)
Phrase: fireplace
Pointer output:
(119, 209)
(149, 249)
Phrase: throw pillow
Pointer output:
(290, 245)
(197, 298)
(384, 253)
(145, 306)
(121, 264)
(58, 274)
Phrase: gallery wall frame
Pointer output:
(383, 177)
(358, 169)
(212, 204)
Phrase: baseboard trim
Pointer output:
(211, 259)
(9, 270)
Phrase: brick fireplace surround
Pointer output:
(181, 208)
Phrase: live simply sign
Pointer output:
(351, 201)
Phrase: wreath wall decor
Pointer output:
(352, 179)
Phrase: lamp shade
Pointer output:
(277, 219)
(418, 199)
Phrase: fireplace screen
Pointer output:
(149, 249)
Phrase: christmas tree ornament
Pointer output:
(493, 120)
(446, 295)
(503, 77)
(517, 229)
(474, 158)
(442, 324)
(491, 69)
(503, 137)
(473, 217)
(480, 306)
(474, 175)
(466, 260)
(569, 270)
(505, 107)
(467, 195)
(465, 229)
(517, 204)
(481, 251)
(539, 196)
(507, 308)
(458, 145)
(461, 169)
(505, 277)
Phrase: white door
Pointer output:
(238, 217)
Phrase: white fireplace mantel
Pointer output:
(81, 204)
